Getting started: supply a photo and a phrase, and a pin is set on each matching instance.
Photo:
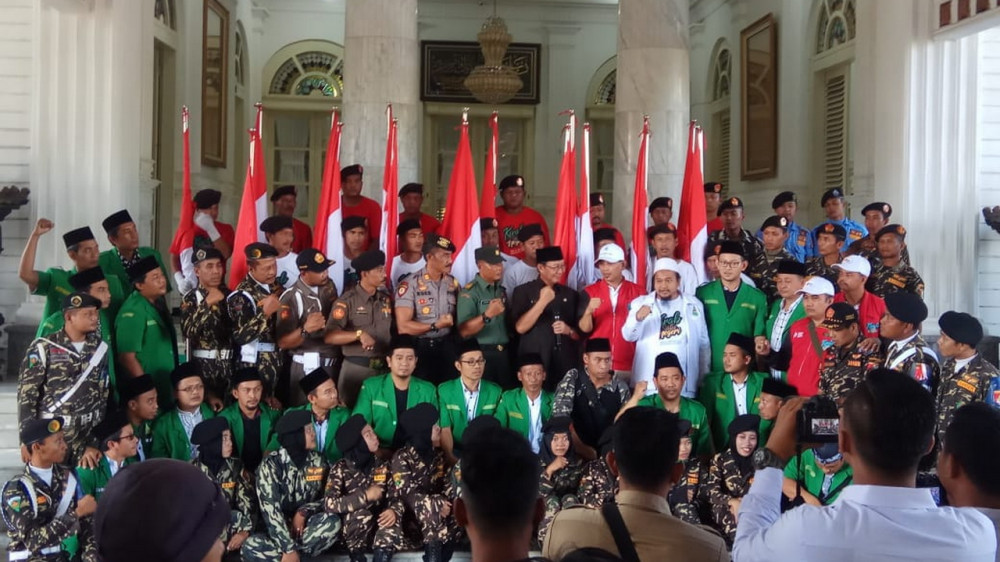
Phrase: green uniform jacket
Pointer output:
(169, 439)
(694, 412)
(53, 284)
(93, 480)
(451, 404)
(720, 403)
(334, 419)
(513, 411)
(811, 476)
(57, 321)
(377, 403)
(111, 262)
(747, 316)
(268, 419)
(141, 329)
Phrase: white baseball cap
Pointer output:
(667, 264)
(611, 253)
(855, 264)
(817, 286)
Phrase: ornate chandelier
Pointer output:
(492, 82)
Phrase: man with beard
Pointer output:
(251, 422)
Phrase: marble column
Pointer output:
(652, 79)
(381, 65)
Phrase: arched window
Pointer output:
(240, 57)
(720, 74)
(601, 115)
(718, 135)
(315, 72)
(836, 24)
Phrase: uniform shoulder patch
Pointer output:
(339, 312)
(470, 285)
(402, 288)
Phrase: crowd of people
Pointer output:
(415, 413)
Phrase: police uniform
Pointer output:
(254, 331)
(560, 490)
(236, 483)
(964, 380)
(473, 300)
(912, 356)
(900, 277)
(297, 303)
(764, 266)
(208, 330)
(58, 380)
(844, 368)
(54, 285)
(116, 265)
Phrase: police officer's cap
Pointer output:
(82, 280)
(114, 220)
(406, 226)
(260, 251)
(896, 229)
(275, 224)
(349, 433)
(402, 341)
(488, 223)
(133, 387)
(37, 430)
(596, 199)
(489, 254)
(661, 203)
(185, 371)
(246, 374)
(76, 301)
(283, 191)
(713, 187)
(557, 424)
(604, 234)
(838, 232)
(526, 359)
(961, 327)
(437, 241)
(652, 231)
(907, 307)
(729, 247)
(778, 388)
(140, 268)
(731, 203)
(549, 253)
(312, 381)
(880, 206)
(352, 170)
(468, 346)
(209, 430)
(667, 359)
(368, 261)
(840, 316)
(293, 421)
(205, 254)
(743, 342)
(782, 198)
(528, 231)
(834, 193)
(412, 187)
(792, 267)
(207, 198)
(777, 222)
(78, 235)
(110, 427)
(350, 223)
(597, 345)
(511, 181)
(746, 422)
(683, 428)
(313, 260)
(419, 419)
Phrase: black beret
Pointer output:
(661, 203)
(352, 222)
(349, 433)
(34, 431)
(140, 268)
(596, 199)
(731, 203)
(205, 254)
(437, 241)
(775, 221)
(313, 260)
(489, 254)
(713, 187)
(730, 247)
(477, 426)
(529, 230)
(839, 315)
(406, 226)
(292, 421)
(352, 170)
(81, 280)
(402, 341)
(652, 231)
(557, 424)
(896, 229)
(743, 342)
(110, 426)
(75, 236)
(961, 327)
(880, 206)
(907, 307)
(511, 181)
(746, 422)
(683, 428)
(782, 198)
(834, 193)
(259, 251)
(419, 418)
(526, 359)
(76, 301)
(312, 381)
(133, 387)
(604, 234)
(184, 371)
(412, 188)
(115, 220)
(488, 224)
(368, 261)
(465, 346)
(597, 345)
(779, 388)
(283, 191)
(839, 232)
(207, 198)
(209, 430)
(275, 223)
(245, 374)
(548, 253)
(791, 267)
(667, 359)
(140, 516)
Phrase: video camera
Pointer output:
(819, 421)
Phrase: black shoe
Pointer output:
(360, 557)
(432, 552)
(382, 555)
(447, 550)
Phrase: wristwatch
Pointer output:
(357, 335)
(766, 458)
(486, 319)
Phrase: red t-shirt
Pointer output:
(428, 224)
(715, 224)
(303, 236)
(619, 239)
(806, 361)
(370, 210)
(870, 311)
(510, 224)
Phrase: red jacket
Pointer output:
(870, 312)
(806, 360)
(608, 324)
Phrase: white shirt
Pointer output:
(613, 292)
(44, 473)
(287, 265)
(321, 428)
(961, 363)
(740, 395)
(113, 465)
(535, 427)
(518, 274)
(778, 330)
(188, 421)
(471, 402)
(896, 345)
(864, 524)
(401, 269)
(993, 514)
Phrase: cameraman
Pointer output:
(887, 425)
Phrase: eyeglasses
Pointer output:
(557, 267)
(473, 362)
(732, 264)
(131, 437)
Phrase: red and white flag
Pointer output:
(639, 248)
(586, 272)
(564, 234)
(692, 228)
(487, 207)
(253, 207)
(183, 243)
(461, 216)
(326, 231)
(387, 239)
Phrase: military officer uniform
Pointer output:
(253, 331)
(54, 285)
(912, 356)
(58, 380)
(297, 303)
(360, 312)
(764, 267)
(844, 368)
(752, 246)
(867, 247)
(968, 380)
(900, 277)
(229, 473)
(291, 480)
(208, 331)
(494, 342)
(116, 265)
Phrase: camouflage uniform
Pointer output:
(817, 266)
(345, 496)
(598, 485)
(423, 488)
(30, 512)
(723, 483)
(683, 498)
(284, 489)
(208, 331)
(752, 246)
(866, 248)
(763, 270)
(844, 368)
(49, 372)
(558, 492)
(886, 280)
(254, 333)
(238, 488)
(979, 381)
(916, 359)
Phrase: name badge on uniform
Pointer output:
(381, 475)
(380, 403)
(228, 485)
(516, 415)
(314, 474)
